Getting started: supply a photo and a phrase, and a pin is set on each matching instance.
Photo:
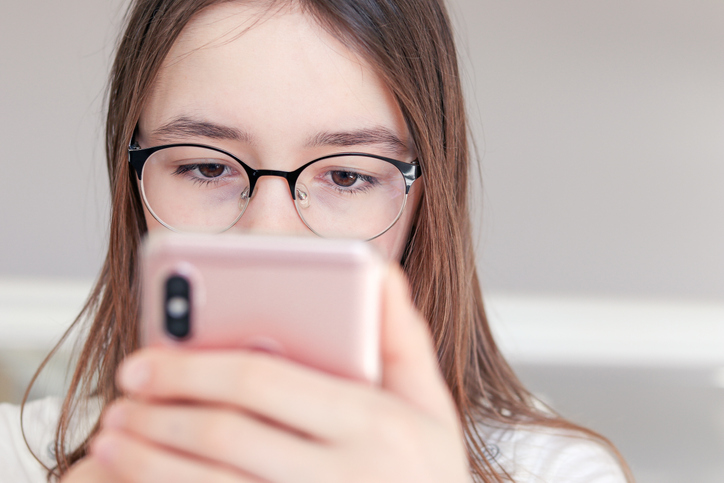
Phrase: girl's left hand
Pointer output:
(243, 417)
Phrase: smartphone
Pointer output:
(314, 301)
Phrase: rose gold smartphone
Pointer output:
(314, 301)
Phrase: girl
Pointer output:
(275, 85)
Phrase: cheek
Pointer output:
(392, 243)
(151, 222)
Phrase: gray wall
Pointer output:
(600, 126)
(602, 144)
(53, 190)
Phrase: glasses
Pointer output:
(197, 188)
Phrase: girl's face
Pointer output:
(277, 94)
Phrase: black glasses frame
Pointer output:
(138, 156)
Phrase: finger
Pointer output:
(302, 399)
(410, 365)
(222, 436)
(89, 470)
(133, 461)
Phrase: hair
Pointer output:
(410, 44)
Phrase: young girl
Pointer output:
(275, 85)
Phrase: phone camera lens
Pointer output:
(177, 285)
(178, 307)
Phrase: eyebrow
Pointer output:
(184, 127)
(370, 136)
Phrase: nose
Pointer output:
(271, 210)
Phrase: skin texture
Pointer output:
(283, 82)
(248, 416)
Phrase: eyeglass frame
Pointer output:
(138, 156)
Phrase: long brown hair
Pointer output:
(410, 43)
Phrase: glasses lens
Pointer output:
(350, 196)
(194, 189)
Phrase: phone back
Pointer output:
(314, 301)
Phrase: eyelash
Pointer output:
(186, 168)
(368, 180)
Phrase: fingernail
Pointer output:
(135, 374)
(115, 416)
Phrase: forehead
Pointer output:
(257, 25)
(271, 68)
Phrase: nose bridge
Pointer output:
(288, 176)
(271, 209)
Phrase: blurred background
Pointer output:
(600, 215)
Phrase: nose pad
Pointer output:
(302, 195)
(244, 199)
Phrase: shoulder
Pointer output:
(534, 454)
(40, 418)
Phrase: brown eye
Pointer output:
(211, 170)
(344, 178)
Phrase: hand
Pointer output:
(241, 417)
(89, 470)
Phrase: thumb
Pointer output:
(410, 367)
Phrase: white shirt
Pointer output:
(530, 455)
(545, 455)
(17, 464)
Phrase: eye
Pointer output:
(207, 172)
(211, 170)
(344, 178)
